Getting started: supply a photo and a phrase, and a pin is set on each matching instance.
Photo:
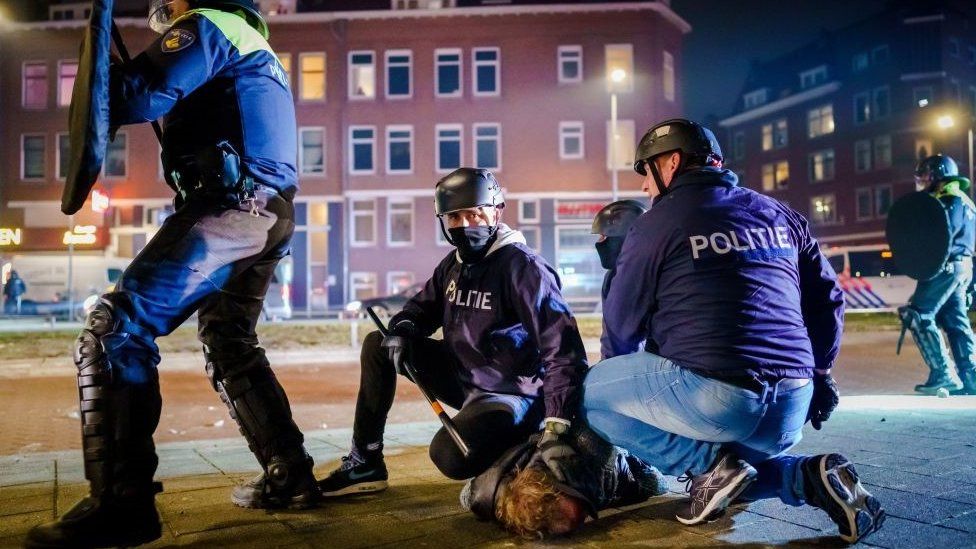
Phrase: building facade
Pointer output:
(836, 127)
(388, 101)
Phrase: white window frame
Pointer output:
(351, 72)
(875, 152)
(390, 140)
(301, 77)
(564, 128)
(351, 150)
(866, 96)
(814, 219)
(23, 85)
(353, 285)
(57, 156)
(60, 90)
(521, 210)
(126, 161)
(815, 121)
(408, 205)
(23, 157)
(353, 214)
(863, 147)
(569, 49)
(497, 63)
(437, 73)
(668, 81)
(864, 191)
(498, 144)
(437, 146)
(813, 77)
(301, 150)
(811, 158)
(390, 275)
(388, 65)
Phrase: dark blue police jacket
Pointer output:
(214, 78)
(724, 281)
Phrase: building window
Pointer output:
(813, 77)
(620, 57)
(754, 98)
(882, 103)
(399, 149)
(399, 71)
(570, 140)
(32, 157)
(862, 155)
(312, 160)
(447, 72)
(531, 235)
(363, 221)
(882, 200)
(64, 155)
(667, 75)
(35, 85)
(399, 223)
(362, 285)
(311, 80)
(739, 146)
(822, 165)
(448, 148)
(362, 75)
(820, 121)
(67, 71)
(882, 152)
(859, 62)
(823, 209)
(487, 146)
(862, 108)
(864, 206)
(775, 176)
(570, 64)
(528, 211)
(624, 145)
(115, 157)
(362, 149)
(285, 60)
(923, 148)
(398, 281)
(487, 71)
(922, 96)
(775, 135)
(880, 54)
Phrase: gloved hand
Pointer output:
(404, 326)
(555, 453)
(826, 396)
(398, 349)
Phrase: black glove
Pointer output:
(826, 396)
(404, 326)
(555, 453)
(398, 348)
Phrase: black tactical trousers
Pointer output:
(490, 423)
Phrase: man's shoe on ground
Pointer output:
(968, 378)
(711, 492)
(356, 476)
(100, 522)
(832, 485)
(300, 492)
(939, 380)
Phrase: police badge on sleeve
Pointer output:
(176, 40)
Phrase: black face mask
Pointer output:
(473, 243)
(609, 250)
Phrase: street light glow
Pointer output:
(945, 121)
(618, 75)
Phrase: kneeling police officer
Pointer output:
(229, 149)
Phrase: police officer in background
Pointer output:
(511, 354)
(229, 149)
(943, 300)
(731, 290)
(612, 223)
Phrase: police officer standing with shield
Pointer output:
(936, 227)
(229, 149)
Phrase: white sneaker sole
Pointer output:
(862, 511)
(361, 488)
(722, 498)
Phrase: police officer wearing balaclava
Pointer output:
(612, 223)
(510, 356)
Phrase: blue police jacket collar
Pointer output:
(702, 176)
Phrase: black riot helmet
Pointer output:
(696, 143)
(467, 188)
(615, 218)
(936, 169)
(161, 13)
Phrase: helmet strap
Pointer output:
(658, 180)
(444, 232)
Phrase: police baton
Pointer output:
(431, 399)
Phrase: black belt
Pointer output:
(767, 389)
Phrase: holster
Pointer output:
(214, 171)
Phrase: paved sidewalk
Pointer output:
(917, 454)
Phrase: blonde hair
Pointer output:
(530, 506)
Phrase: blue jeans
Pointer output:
(679, 421)
(943, 298)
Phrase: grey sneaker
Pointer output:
(711, 492)
(832, 485)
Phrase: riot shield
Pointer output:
(918, 234)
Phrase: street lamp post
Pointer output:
(616, 79)
(945, 122)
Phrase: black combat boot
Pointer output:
(968, 383)
(283, 486)
(103, 521)
(939, 379)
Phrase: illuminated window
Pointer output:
(820, 121)
(775, 135)
(823, 209)
(35, 85)
(312, 76)
(775, 176)
(312, 160)
(67, 71)
(822, 165)
(362, 75)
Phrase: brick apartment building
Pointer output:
(388, 100)
(836, 127)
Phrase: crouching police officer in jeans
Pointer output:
(511, 353)
(745, 316)
(229, 148)
(943, 300)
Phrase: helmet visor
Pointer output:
(162, 13)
